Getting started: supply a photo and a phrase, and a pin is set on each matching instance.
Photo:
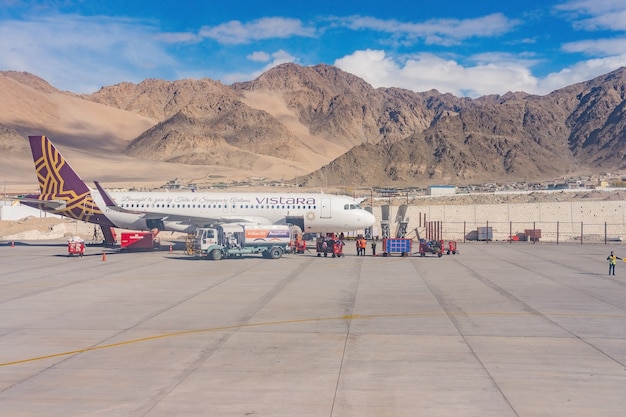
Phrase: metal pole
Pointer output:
(581, 233)
(510, 232)
(487, 231)
(557, 232)
(534, 233)
(605, 233)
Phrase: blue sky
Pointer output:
(464, 47)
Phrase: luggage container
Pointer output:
(397, 245)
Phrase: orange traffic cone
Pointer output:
(104, 256)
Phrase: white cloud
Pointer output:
(434, 31)
(259, 56)
(604, 47)
(582, 71)
(276, 58)
(236, 32)
(598, 14)
(178, 37)
(492, 73)
(424, 72)
(81, 54)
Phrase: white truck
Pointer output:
(230, 240)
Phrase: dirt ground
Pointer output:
(35, 228)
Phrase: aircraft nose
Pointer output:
(368, 219)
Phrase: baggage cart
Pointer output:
(75, 247)
(434, 247)
(397, 245)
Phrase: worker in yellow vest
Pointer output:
(612, 261)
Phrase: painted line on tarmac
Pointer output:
(309, 320)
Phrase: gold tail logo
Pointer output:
(59, 182)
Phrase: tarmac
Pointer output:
(500, 329)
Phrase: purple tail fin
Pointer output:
(62, 190)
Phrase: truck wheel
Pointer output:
(216, 254)
(276, 253)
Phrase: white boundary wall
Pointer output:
(563, 221)
(11, 211)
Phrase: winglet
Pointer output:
(108, 200)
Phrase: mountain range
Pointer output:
(320, 124)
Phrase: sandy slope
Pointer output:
(92, 136)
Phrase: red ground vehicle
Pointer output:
(337, 248)
(75, 247)
(329, 244)
(434, 247)
(452, 248)
(139, 241)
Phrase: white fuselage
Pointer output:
(185, 211)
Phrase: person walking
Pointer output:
(612, 261)
(373, 248)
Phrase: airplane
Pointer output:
(64, 193)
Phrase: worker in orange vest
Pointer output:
(362, 244)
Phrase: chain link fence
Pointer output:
(538, 231)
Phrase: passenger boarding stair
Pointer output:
(401, 221)
(385, 229)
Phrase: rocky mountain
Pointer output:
(330, 127)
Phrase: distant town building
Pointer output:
(440, 190)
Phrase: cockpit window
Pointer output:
(352, 207)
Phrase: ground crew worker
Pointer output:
(362, 245)
(612, 261)
(373, 248)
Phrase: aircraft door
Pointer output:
(325, 213)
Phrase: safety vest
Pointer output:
(612, 259)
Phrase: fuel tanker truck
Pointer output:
(236, 240)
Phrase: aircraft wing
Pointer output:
(201, 221)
